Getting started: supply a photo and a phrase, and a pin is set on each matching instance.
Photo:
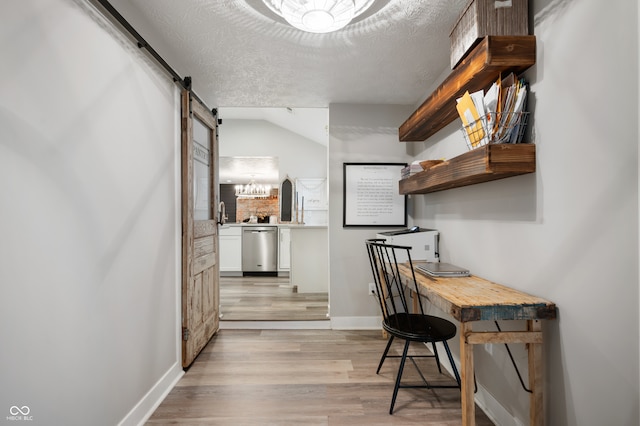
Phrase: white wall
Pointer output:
(569, 232)
(357, 134)
(90, 251)
(89, 258)
(298, 156)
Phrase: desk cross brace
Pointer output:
(502, 337)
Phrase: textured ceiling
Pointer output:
(251, 64)
(240, 54)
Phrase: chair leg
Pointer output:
(435, 352)
(399, 377)
(384, 355)
(453, 364)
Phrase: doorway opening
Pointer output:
(274, 144)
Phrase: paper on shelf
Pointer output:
(518, 108)
(497, 116)
(491, 104)
(478, 101)
(470, 118)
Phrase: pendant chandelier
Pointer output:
(253, 190)
(318, 16)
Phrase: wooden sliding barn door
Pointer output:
(200, 269)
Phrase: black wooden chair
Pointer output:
(398, 320)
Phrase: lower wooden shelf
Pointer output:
(484, 164)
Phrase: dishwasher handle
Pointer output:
(259, 230)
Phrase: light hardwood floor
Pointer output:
(268, 299)
(304, 377)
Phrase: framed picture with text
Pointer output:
(371, 196)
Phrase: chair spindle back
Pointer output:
(391, 293)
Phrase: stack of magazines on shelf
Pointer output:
(497, 116)
(410, 170)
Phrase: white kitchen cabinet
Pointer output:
(284, 250)
(230, 238)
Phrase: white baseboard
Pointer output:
(494, 410)
(148, 404)
(275, 325)
(356, 323)
(335, 323)
(483, 399)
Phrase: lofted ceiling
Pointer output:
(240, 54)
(310, 123)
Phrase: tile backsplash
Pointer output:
(261, 207)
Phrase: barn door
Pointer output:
(200, 270)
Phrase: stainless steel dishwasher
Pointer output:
(259, 250)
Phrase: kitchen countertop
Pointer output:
(281, 225)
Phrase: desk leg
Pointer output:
(536, 402)
(466, 376)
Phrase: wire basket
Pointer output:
(496, 127)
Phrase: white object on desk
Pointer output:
(423, 243)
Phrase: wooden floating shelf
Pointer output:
(484, 164)
(492, 56)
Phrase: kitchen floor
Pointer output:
(269, 299)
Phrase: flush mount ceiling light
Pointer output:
(318, 16)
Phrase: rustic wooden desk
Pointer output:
(469, 299)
